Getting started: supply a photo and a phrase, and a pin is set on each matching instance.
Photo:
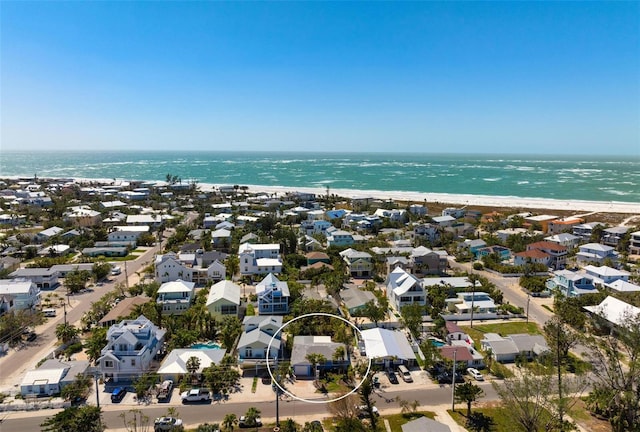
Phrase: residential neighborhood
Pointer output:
(203, 288)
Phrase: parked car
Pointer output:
(245, 423)
(475, 374)
(166, 424)
(117, 394)
(164, 390)
(317, 426)
(447, 378)
(393, 379)
(405, 374)
(196, 395)
(31, 336)
(362, 411)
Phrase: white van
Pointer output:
(404, 373)
(49, 312)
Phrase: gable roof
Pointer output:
(224, 289)
(613, 310)
(425, 424)
(176, 360)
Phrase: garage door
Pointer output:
(301, 370)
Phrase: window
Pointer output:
(108, 363)
(248, 352)
(133, 362)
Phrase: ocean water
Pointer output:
(607, 179)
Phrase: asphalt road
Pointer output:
(195, 414)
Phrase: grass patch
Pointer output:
(397, 420)
(503, 420)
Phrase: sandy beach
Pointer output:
(456, 199)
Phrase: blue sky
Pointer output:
(504, 77)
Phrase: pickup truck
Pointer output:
(164, 390)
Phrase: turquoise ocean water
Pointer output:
(567, 177)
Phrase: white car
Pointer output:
(362, 411)
(195, 395)
(166, 423)
(475, 373)
(244, 423)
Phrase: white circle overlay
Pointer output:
(314, 400)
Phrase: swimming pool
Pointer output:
(437, 343)
(207, 345)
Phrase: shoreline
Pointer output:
(419, 197)
(456, 199)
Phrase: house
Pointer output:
(563, 225)
(355, 299)
(615, 312)
(224, 299)
(443, 221)
(43, 278)
(585, 231)
(388, 347)
(542, 221)
(83, 216)
(529, 345)
(418, 209)
(501, 349)
(472, 245)
(106, 251)
(221, 238)
(49, 378)
(395, 215)
(316, 257)
(634, 243)
(145, 220)
(339, 238)
(454, 332)
(429, 233)
(170, 268)
(303, 346)
(404, 289)
(48, 234)
(456, 283)
(123, 309)
(596, 253)
(63, 269)
(424, 261)
(174, 365)
(533, 256)
(359, 264)
(175, 297)
(126, 235)
(571, 284)
(425, 424)
(259, 259)
(273, 296)
(310, 227)
(614, 235)
(464, 353)
(606, 274)
(394, 262)
(258, 333)
(455, 213)
(131, 347)
(567, 240)
(557, 254)
(504, 234)
(25, 294)
(55, 250)
(622, 286)
(480, 301)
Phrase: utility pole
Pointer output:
(473, 298)
(64, 306)
(95, 376)
(528, 300)
(453, 382)
(277, 394)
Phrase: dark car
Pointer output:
(446, 378)
(117, 394)
(31, 337)
(393, 379)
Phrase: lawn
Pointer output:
(397, 420)
(504, 328)
(503, 420)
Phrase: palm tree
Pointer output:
(66, 332)
(193, 364)
(251, 416)
(473, 278)
(229, 421)
(315, 359)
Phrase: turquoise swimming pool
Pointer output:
(437, 343)
(208, 345)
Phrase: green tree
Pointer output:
(412, 318)
(94, 344)
(312, 427)
(372, 311)
(229, 421)
(251, 416)
(366, 390)
(468, 393)
(100, 270)
(78, 389)
(315, 359)
(76, 280)
(86, 418)
(135, 420)
(66, 332)
(230, 329)
(192, 366)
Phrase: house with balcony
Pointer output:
(567, 240)
(21, 293)
(359, 264)
(562, 225)
(126, 235)
(132, 346)
(556, 253)
(429, 233)
(315, 226)
(614, 235)
(634, 243)
(339, 238)
(44, 278)
(83, 216)
(259, 259)
(606, 275)
(168, 267)
(258, 331)
(424, 261)
(273, 296)
(404, 289)
(586, 230)
(571, 284)
(480, 301)
(596, 253)
(224, 299)
(175, 297)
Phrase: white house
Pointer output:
(605, 274)
(481, 302)
(24, 294)
(404, 289)
(223, 299)
(259, 259)
(126, 235)
(570, 283)
(42, 277)
(258, 332)
(169, 268)
(174, 365)
(175, 296)
(131, 347)
(273, 296)
(596, 253)
(51, 377)
(339, 238)
(614, 311)
(388, 346)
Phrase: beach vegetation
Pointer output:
(86, 418)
